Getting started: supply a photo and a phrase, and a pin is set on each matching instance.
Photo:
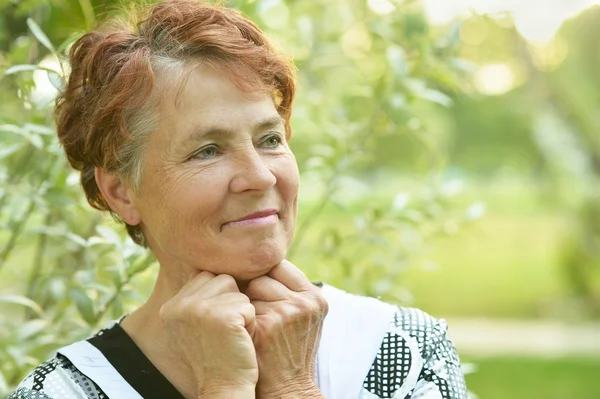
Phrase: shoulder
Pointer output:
(403, 352)
(57, 378)
(417, 328)
(423, 331)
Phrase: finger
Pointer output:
(229, 298)
(221, 284)
(251, 326)
(290, 276)
(248, 313)
(197, 280)
(193, 274)
(265, 288)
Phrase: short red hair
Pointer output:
(106, 111)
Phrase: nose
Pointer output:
(252, 172)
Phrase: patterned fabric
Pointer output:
(416, 360)
(57, 379)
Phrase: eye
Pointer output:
(272, 141)
(208, 152)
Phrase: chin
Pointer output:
(259, 261)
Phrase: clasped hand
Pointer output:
(262, 342)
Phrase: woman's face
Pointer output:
(219, 156)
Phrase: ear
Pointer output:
(118, 196)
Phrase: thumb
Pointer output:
(251, 328)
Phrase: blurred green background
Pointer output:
(450, 160)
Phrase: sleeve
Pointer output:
(55, 379)
(441, 376)
(416, 360)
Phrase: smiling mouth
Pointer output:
(261, 218)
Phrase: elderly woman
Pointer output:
(179, 125)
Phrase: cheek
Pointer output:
(187, 203)
(201, 199)
(288, 179)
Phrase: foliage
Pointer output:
(363, 77)
(543, 127)
(567, 133)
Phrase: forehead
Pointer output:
(207, 95)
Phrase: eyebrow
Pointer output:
(199, 134)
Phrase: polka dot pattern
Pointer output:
(57, 378)
(91, 390)
(26, 393)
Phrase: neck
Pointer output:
(150, 335)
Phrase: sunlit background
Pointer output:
(450, 160)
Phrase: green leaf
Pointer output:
(6, 151)
(88, 12)
(23, 301)
(436, 96)
(140, 264)
(3, 384)
(396, 57)
(56, 80)
(117, 309)
(40, 35)
(109, 235)
(28, 68)
(76, 239)
(20, 68)
(32, 328)
(85, 305)
(40, 129)
(33, 138)
(68, 41)
(11, 129)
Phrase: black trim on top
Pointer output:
(125, 356)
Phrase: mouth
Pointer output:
(259, 218)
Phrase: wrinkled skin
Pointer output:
(289, 317)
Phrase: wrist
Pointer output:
(227, 393)
(295, 391)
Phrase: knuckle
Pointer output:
(203, 308)
(322, 304)
(250, 309)
(197, 310)
(243, 298)
(295, 313)
(275, 318)
(235, 298)
(314, 309)
(251, 287)
(315, 304)
(228, 282)
(304, 305)
(255, 284)
(206, 273)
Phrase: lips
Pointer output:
(256, 215)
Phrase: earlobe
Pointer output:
(118, 196)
